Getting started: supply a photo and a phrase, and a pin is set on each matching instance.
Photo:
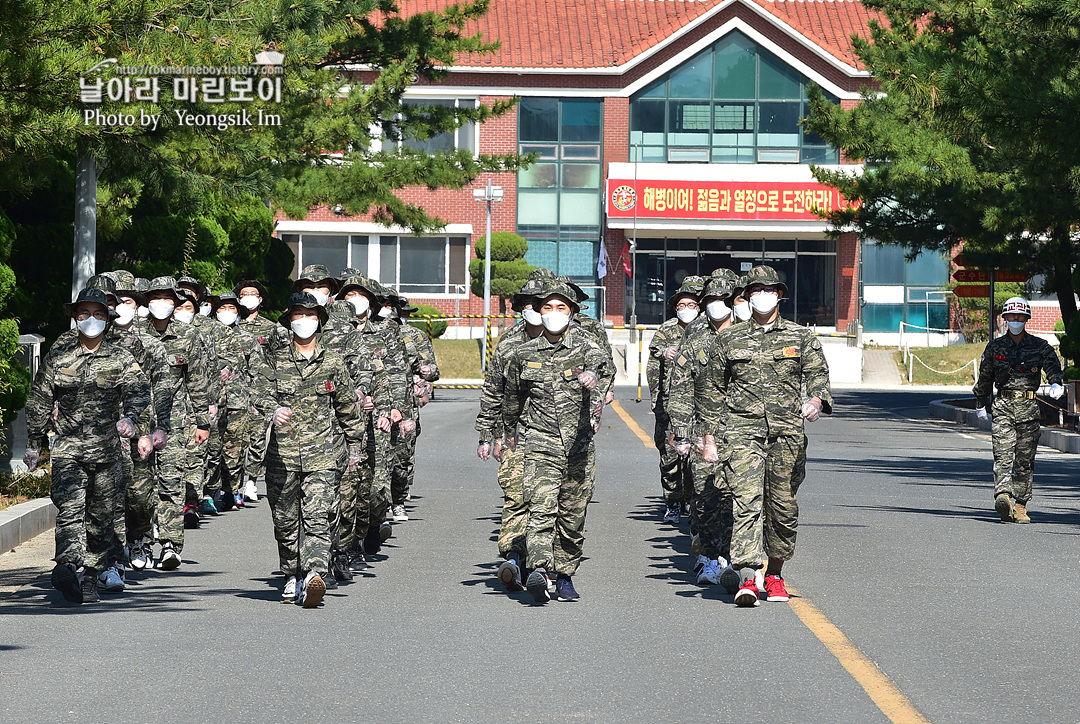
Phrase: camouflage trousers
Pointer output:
(515, 513)
(373, 487)
(301, 504)
(179, 465)
(1015, 429)
(676, 477)
(710, 508)
(557, 489)
(259, 432)
(85, 498)
(764, 476)
(212, 480)
(229, 473)
(403, 465)
(141, 501)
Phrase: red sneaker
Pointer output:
(747, 595)
(775, 589)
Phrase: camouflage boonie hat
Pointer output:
(340, 309)
(581, 295)
(541, 273)
(405, 307)
(306, 301)
(225, 298)
(719, 287)
(165, 284)
(250, 283)
(94, 296)
(105, 283)
(349, 272)
(193, 285)
(360, 283)
(555, 286)
(526, 294)
(691, 286)
(766, 276)
(126, 285)
(316, 274)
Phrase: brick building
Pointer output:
(669, 145)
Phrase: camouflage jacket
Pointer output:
(658, 369)
(234, 351)
(325, 410)
(596, 330)
(395, 362)
(760, 379)
(90, 392)
(1011, 366)
(544, 396)
(267, 333)
(186, 382)
(489, 421)
(424, 350)
(376, 367)
(209, 331)
(688, 378)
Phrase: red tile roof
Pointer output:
(564, 33)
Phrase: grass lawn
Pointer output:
(458, 358)
(20, 487)
(943, 361)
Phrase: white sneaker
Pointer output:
(288, 594)
(170, 559)
(251, 492)
(700, 564)
(138, 554)
(710, 574)
(314, 590)
(110, 580)
(399, 514)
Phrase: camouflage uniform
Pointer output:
(418, 346)
(187, 386)
(204, 483)
(558, 418)
(759, 379)
(270, 336)
(304, 457)
(1016, 370)
(675, 476)
(89, 391)
(234, 351)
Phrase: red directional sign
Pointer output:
(979, 291)
(978, 275)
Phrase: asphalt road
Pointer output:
(972, 620)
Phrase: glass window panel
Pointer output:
(816, 290)
(333, 251)
(818, 154)
(423, 265)
(916, 314)
(733, 117)
(651, 154)
(817, 245)
(538, 119)
(467, 137)
(644, 244)
(577, 258)
(581, 120)
(359, 253)
(543, 253)
(778, 80)
(579, 208)
(388, 273)
(734, 61)
(537, 207)
(539, 176)
(689, 124)
(688, 155)
(439, 142)
(581, 176)
(459, 263)
(778, 155)
(778, 124)
(882, 317)
(691, 80)
(581, 152)
(928, 269)
(543, 151)
(647, 117)
(656, 90)
(882, 265)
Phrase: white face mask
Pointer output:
(532, 316)
(143, 312)
(321, 297)
(1016, 327)
(126, 314)
(250, 303)
(742, 311)
(764, 302)
(360, 304)
(716, 309)
(161, 308)
(555, 322)
(385, 312)
(227, 318)
(304, 327)
(204, 309)
(183, 315)
(91, 327)
(686, 315)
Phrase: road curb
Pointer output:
(21, 522)
(1058, 439)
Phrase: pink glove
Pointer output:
(126, 427)
(587, 380)
(282, 415)
(158, 439)
(670, 352)
(483, 451)
(145, 447)
(811, 409)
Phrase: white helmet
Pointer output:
(1016, 305)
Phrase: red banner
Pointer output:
(756, 200)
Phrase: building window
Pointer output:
(896, 290)
(463, 138)
(732, 103)
(420, 265)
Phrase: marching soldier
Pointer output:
(418, 346)
(1015, 363)
(91, 392)
(766, 376)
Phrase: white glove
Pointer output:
(811, 410)
(587, 380)
(282, 415)
(1056, 391)
(483, 450)
(981, 413)
(670, 352)
(126, 427)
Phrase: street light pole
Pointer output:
(487, 195)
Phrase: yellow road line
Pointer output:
(634, 427)
(876, 684)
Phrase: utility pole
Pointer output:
(85, 252)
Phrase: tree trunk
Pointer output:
(1061, 276)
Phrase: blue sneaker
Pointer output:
(239, 500)
(564, 589)
(206, 506)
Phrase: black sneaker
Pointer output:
(537, 585)
(357, 561)
(191, 516)
(89, 586)
(386, 531)
(65, 580)
(339, 567)
(373, 542)
(564, 589)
